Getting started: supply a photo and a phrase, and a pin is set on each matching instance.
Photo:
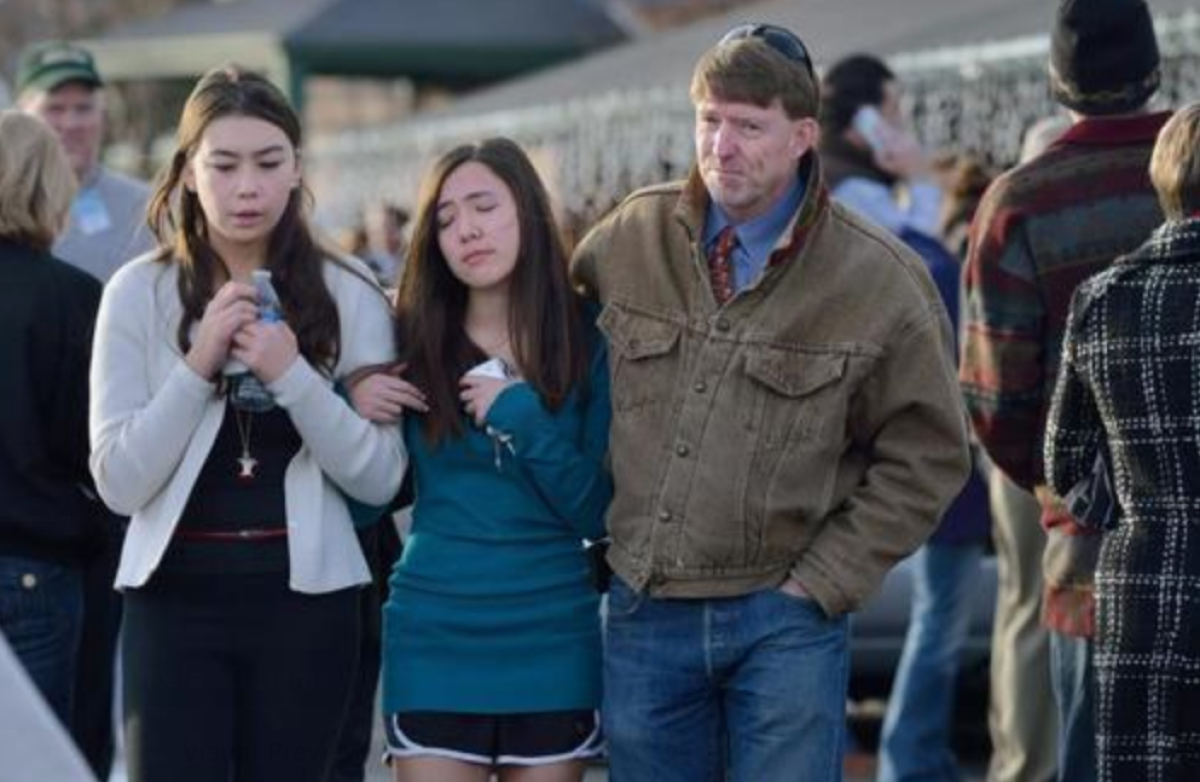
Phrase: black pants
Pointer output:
(235, 677)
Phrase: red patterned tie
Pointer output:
(720, 264)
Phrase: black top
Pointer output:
(47, 313)
(225, 500)
(222, 498)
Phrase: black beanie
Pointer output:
(1103, 56)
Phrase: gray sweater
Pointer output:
(108, 225)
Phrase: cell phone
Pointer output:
(493, 367)
(871, 125)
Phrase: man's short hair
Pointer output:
(49, 65)
(749, 66)
(1175, 164)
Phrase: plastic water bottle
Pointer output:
(246, 391)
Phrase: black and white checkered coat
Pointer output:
(1131, 374)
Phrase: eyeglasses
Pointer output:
(778, 38)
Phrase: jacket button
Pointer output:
(28, 580)
(700, 387)
(664, 516)
(682, 450)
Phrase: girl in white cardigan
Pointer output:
(240, 565)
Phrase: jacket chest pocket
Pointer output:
(643, 358)
(791, 396)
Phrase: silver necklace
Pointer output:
(246, 462)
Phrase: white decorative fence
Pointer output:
(594, 150)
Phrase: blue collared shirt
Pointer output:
(756, 238)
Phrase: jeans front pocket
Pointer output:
(622, 602)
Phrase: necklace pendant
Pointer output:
(247, 463)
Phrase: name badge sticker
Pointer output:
(90, 213)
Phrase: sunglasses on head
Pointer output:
(778, 38)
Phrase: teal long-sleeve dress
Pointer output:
(492, 608)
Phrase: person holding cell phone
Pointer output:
(492, 631)
(877, 168)
(871, 157)
(240, 567)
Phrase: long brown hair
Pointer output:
(543, 314)
(293, 255)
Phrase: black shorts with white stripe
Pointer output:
(535, 739)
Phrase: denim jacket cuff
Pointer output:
(822, 590)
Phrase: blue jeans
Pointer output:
(1074, 680)
(41, 614)
(915, 743)
(739, 689)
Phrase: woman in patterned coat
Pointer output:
(1130, 378)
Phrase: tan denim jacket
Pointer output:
(812, 425)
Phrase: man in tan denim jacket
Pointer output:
(774, 452)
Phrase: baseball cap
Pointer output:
(53, 63)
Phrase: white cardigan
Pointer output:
(153, 421)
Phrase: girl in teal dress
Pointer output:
(492, 633)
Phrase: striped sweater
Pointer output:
(1040, 230)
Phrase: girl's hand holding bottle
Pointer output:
(233, 308)
(267, 348)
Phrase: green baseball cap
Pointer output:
(48, 65)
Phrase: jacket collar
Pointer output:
(692, 207)
(1176, 241)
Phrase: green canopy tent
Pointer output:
(457, 44)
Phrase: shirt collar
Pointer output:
(760, 235)
(1106, 131)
